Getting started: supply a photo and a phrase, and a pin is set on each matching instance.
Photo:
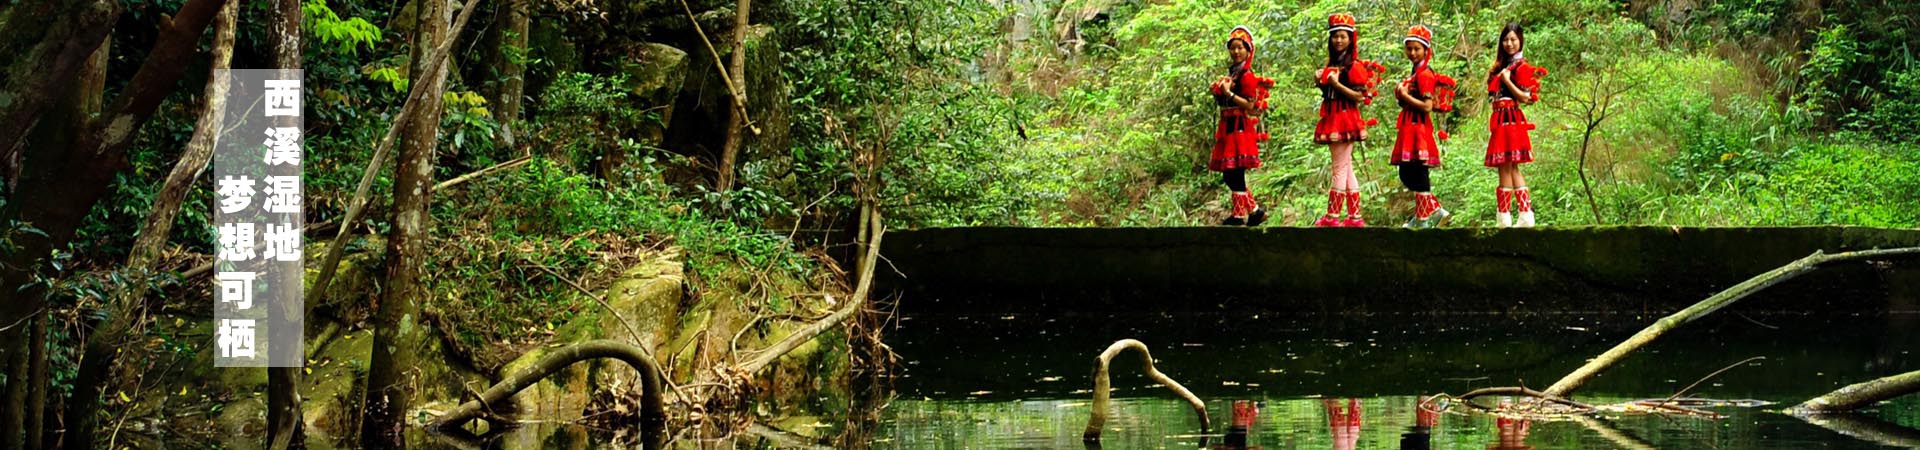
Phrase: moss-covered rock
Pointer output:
(648, 296)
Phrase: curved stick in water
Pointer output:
(1098, 419)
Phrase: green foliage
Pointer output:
(589, 115)
(347, 36)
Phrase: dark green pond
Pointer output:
(1021, 381)
(1017, 381)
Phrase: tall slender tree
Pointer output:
(398, 341)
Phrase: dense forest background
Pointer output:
(977, 112)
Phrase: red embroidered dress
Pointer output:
(1415, 140)
(1340, 119)
(1509, 142)
(1236, 140)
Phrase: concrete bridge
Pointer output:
(1619, 269)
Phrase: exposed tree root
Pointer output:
(1101, 387)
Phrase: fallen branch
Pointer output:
(1519, 391)
(456, 181)
(1860, 395)
(766, 357)
(1578, 377)
(1098, 419)
(652, 411)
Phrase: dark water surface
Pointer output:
(1023, 381)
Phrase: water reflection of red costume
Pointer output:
(1512, 434)
(1345, 425)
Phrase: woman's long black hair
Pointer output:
(1505, 58)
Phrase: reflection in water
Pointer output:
(1426, 417)
(1343, 424)
(1511, 434)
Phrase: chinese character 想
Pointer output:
(236, 241)
(283, 146)
(283, 194)
(236, 193)
(235, 338)
(283, 98)
(236, 288)
(282, 243)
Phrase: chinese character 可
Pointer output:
(237, 287)
(235, 338)
(236, 241)
(283, 243)
(283, 194)
(283, 146)
(236, 193)
(283, 98)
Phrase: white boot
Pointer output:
(1504, 219)
(1526, 220)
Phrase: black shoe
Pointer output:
(1259, 216)
(1233, 222)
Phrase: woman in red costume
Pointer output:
(1345, 84)
(1242, 97)
(1512, 83)
(1414, 148)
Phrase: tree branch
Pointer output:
(1575, 379)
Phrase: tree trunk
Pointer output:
(1861, 395)
(39, 73)
(77, 177)
(55, 132)
(736, 120)
(284, 421)
(1578, 377)
(398, 339)
(510, 64)
(37, 387)
(13, 408)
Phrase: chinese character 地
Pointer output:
(235, 338)
(237, 287)
(283, 98)
(282, 243)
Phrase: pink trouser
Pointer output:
(1342, 168)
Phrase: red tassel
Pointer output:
(1443, 135)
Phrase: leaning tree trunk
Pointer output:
(399, 329)
(736, 119)
(1861, 395)
(1578, 377)
(284, 421)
